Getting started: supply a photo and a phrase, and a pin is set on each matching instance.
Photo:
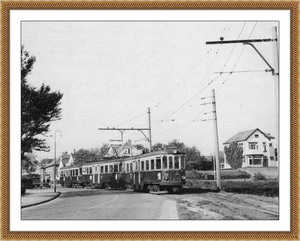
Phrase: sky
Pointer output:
(110, 73)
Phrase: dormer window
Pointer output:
(256, 136)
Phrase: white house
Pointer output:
(258, 148)
(123, 150)
(48, 169)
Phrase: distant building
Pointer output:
(48, 168)
(125, 149)
(258, 148)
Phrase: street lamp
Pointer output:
(54, 181)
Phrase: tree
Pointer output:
(39, 107)
(85, 156)
(92, 155)
(141, 147)
(158, 146)
(30, 163)
(234, 155)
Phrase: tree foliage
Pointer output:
(234, 155)
(141, 147)
(39, 107)
(91, 155)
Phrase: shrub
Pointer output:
(261, 188)
(259, 176)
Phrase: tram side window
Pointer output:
(76, 172)
(182, 162)
(120, 167)
(127, 167)
(101, 169)
(158, 163)
(96, 169)
(116, 168)
(176, 162)
(131, 167)
(152, 164)
(142, 166)
(80, 171)
(106, 169)
(147, 164)
(165, 162)
(91, 170)
(170, 162)
(111, 168)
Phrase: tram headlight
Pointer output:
(183, 177)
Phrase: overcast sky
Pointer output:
(111, 72)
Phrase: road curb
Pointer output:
(45, 201)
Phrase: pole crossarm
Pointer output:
(248, 42)
(122, 129)
(126, 129)
(242, 41)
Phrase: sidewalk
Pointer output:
(37, 196)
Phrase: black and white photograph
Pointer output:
(150, 120)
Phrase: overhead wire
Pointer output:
(238, 58)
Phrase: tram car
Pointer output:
(154, 171)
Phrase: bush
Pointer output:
(259, 177)
(261, 188)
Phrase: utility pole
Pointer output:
(274, 69)
(276, 77)
(214, 112)
(150, 138)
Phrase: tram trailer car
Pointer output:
(111, 174)
(71, 176)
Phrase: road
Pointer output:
(99, 204)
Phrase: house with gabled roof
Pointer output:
(64, 159)
(125, 149)
(258, 148)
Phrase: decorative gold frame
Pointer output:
(6, 6)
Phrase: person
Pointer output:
(44, 183)
(48, 182)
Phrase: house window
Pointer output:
(265, 147)
(256, 161)
(128, 151)
(270, 144)
(271, 158)
(256, 136)
(253, 145)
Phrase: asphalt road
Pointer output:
(98, 204)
